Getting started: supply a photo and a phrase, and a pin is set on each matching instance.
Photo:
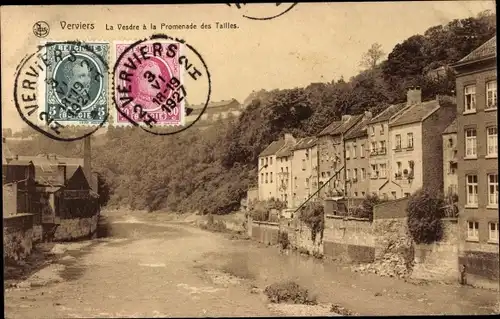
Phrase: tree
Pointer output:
(372, 57)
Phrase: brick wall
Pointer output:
(17, 236)
(391, 209)
(439, 261)
(348, 239)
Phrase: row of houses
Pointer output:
(391, 155)
(445, 145)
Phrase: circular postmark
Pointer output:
(263, 11)
(41, 29)
(61, 90)
(152, 78)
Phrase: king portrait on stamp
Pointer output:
(77, 84)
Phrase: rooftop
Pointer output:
(306, 142)
(272, 148)
(286, 150)
(340, 127)
(386, 114)
(452, 128)
(416, 113)
(486, 50)
(359, 130)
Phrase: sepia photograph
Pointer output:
(250, 159)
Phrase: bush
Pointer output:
(214, 225)
(289, 292)
(260, 210)
(365, 209)
(313, 215)
(283, 239)
(425, 211)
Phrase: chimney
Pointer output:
(413, 95)
(368, 115)
(87, 168)
(61, 173)
(289, 137)
(346, 118)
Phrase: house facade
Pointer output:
(268, 168)
(305, 170)
(357, 163)
(332, 155)
(416, 159)
(379, 146)
(450, 158)
(476, 87)
(284, 158)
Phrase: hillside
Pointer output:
(211, 171)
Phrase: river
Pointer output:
(148, 266)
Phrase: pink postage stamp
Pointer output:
(153, 83)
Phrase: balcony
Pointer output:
(382, 151)
(374, 152)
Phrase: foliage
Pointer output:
(313, 215)
(365, 209)
(214, 225)
(283, 240)
(210, 170)
(425, 211)
(371, 57)
(288, 292)
(261, 210)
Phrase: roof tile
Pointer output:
(416, 113)
(487, 49)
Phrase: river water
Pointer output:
(150, 266)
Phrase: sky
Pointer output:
(313, 42)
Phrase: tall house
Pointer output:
(305, 170)
(476, 87)
(450, 164)
(357, 165)
(268, 184)
(284, 174)
(417, 147)
(332, 155)
(378, 148)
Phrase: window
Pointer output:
(398, 142)
(266, 177)
(295, 182)
(270, 161)
(282, 169)
(363, 194)
(493, 227)
(262, 162)
(409, 139)
(472, 230)
(381, 129)
(407, 194)
(470, 98)
(362, 150)
(399, 167)
(363, 174)
(382, 147)
(491, 95)
(373, 147)
(492, 143)
(266, 160)
(303, 164)
(493, 190)
(355, 176)
(354, 151)
(271, 175)
(450, 142)
(374, 173)
(328, 173)
(355, 194)
(307, 182)
(393, 195)
(382, 170)
(323, 174)
(470, 143)
(373, 130)
(286, 168)
(347, 152)
(471, 181)
(348, 173)
(262, 178)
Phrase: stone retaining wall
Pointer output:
(349, 239)
(439, 261)
(17, 236)
(76, 228)
(265, 232)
